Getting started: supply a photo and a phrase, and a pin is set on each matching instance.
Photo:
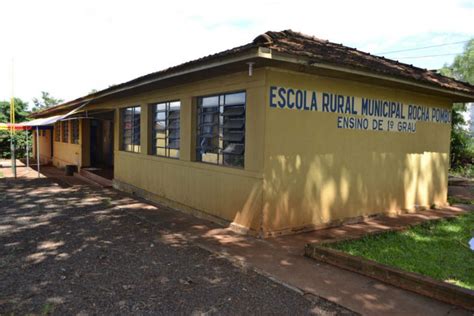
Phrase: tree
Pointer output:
(21, 115)
(461, 69)
(21, 111)
(45, 101)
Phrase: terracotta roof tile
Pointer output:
(316, 51)
(323, 51)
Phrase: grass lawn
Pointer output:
(1, 174)
(439, 250)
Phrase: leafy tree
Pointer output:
(462, 69)
(45, 101)
(21, 113)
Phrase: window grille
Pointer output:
(75, 131)
(166, 129)
(131, 129)
(57, 132)
(65, 131)
(221, 129)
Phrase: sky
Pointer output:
(69, 48)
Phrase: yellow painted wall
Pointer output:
(232, 194)
(67, 153)
(45, 146)
(301, 171)
(316, 173)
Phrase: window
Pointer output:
(165, 129)
(57, 132)
(75, 131)
(221, 129)
(65, 131)
(131, 129)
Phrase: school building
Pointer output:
(285, 134)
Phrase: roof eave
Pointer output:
(457, 96)
(251, 53)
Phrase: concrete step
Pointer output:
(96, 178)
(87, 180)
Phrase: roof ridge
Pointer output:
(292, 33)
(349, 47)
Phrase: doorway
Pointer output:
(102, 144)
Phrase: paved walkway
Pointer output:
(23, 172)
(282, 258)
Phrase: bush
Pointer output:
(466, 171)
(21, 113)
(20, 141)
(462, 152)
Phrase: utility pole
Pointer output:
(12, 127)
(27, 151)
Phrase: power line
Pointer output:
(411, 49)
(426, 56)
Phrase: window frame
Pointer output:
(65, 131)
(169, 127)
(135, 148)
(57, 132)
(223, 116)
(75, 132)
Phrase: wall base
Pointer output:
(122, 186)
(347, 221)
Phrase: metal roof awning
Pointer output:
(49, 121)
(42, 122)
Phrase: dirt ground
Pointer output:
(71, 250)
(461, 190)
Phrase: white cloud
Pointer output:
(69, 48)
